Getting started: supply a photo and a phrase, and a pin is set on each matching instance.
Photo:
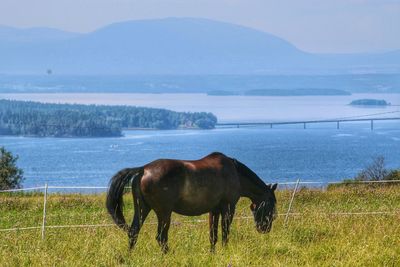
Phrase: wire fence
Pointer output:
(287, 214)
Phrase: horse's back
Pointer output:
(160, 174)
(191, 187)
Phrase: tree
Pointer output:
(10, 175)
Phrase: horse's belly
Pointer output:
(190, 212)
(190, 207)
(196, 200)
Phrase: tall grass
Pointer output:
(314, 238)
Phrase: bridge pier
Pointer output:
(337, 125)
(305, 126)
(372, 125)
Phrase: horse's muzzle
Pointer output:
(264, 229)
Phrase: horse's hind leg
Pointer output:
(164, 221)
(227, 212)
(141, 212)
(213, 224)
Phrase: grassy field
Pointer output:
(314, 238)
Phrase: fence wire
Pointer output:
(288, 214)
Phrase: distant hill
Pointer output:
(33, 35)
(211, 84)
(296, 92)
(282, 92)
(173, 46)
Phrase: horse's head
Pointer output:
(264, 210)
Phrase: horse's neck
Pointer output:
(250, 189)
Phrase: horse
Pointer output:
(212, 184)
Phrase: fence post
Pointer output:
(44, 210)
(291, 202)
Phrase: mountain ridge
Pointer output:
(36, 34)
(175, 46)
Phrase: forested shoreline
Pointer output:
(26, 118)
(369, 102)
(282, 92)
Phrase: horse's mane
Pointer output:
(249, 174)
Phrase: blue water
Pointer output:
(319, 153)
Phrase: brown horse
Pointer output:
(212, 184)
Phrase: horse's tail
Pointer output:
(115, 192)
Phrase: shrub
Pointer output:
(393, 175)
(376, 171)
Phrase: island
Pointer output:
(369, 102)
(26, 118)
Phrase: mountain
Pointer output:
(33, 35)
(172, 46)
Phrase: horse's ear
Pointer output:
(274, 186)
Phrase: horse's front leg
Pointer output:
(141, 212)
(227, 212)
(213, 224)
(164, 221)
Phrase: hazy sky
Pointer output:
(311, 25)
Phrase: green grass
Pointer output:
(316, 238)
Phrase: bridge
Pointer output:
(306, 122)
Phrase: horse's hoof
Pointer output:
(165, 249)
(131, 245)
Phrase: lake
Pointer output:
(285, 153)
(232, 108)
(315, 154)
